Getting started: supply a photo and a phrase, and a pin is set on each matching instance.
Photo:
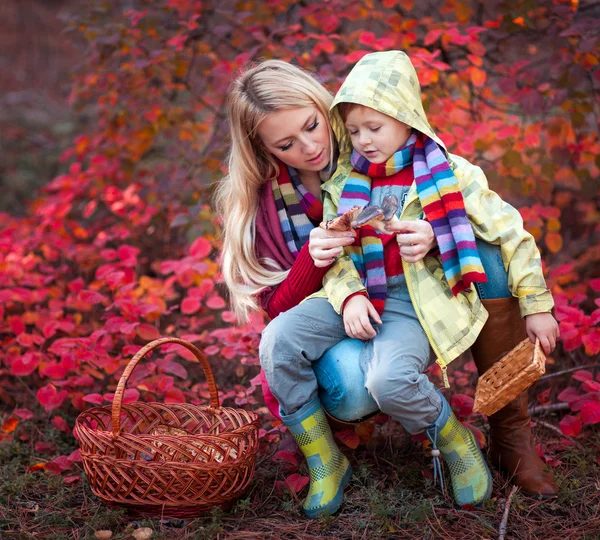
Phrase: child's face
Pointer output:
(298, 137)
(375, 135)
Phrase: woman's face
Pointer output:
(298, 137)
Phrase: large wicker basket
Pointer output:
(173, 460)
(509, 376)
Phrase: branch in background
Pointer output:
(540, 409)
(557, 430)
(570, 370)
(502, 528)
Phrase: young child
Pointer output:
(395, 151)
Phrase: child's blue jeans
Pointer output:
(343, 392)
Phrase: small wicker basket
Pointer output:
(173, 460)
(509, 376)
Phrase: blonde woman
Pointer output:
(274, 254)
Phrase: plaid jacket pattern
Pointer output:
(387, 82)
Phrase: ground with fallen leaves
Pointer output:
(391, 496)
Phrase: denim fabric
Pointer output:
(390, 366)
(497, 284)
(342, 391)
(394, 362)
(290, 344)
(341, 382)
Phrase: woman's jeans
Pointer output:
(339, 374)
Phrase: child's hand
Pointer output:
(544, 327)
(415, 238)
(356, 318)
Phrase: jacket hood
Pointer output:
(387, 82)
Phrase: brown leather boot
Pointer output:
(512, 446)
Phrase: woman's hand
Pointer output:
(415, 238)
(324, 246)
(544, 327)
(356, 318)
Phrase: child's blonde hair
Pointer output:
(268, 87)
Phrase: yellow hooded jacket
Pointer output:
(388, 83)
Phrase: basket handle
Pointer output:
(200, 358)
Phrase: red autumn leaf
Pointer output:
(16, 325)
(365, 431)
(9, 424)
(200, 248)
(75, 456)
(590, 413)
(95, 399)
(348, 437)
(432, 36)
(287, 456)
(76, 285)
(45, 447)
(478, 76)
(130, 395)
(591, 386)
(594, 284)
(128, 328)
(29, 340)
(177, 42)
(592, 343)
(296, 482)
(190, 305)
(366, 38)
(570, 425)
(174, 395)
(462, 405)
(91, 297)
(172, 367)
(23, 414)
(58, 465)
(71, 479)
(578, 404)
(50, 397)
(355, 56)
(164, 384)
(59, 423)
(229, 317)
(26, 364)
(128, 255)
(147, 332)
(215, 302)
(544, 396)
(583, 375)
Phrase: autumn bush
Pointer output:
(122, 247)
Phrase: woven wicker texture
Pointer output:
(508, 377)
(174, 460)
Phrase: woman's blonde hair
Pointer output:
(268, 87)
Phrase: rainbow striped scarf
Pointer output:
(442, 203)
(295, 208)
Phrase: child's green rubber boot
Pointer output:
(330, 471)
(471, 478)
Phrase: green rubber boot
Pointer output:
(330, 471)
(470, 476)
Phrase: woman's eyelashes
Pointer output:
(312, 127)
